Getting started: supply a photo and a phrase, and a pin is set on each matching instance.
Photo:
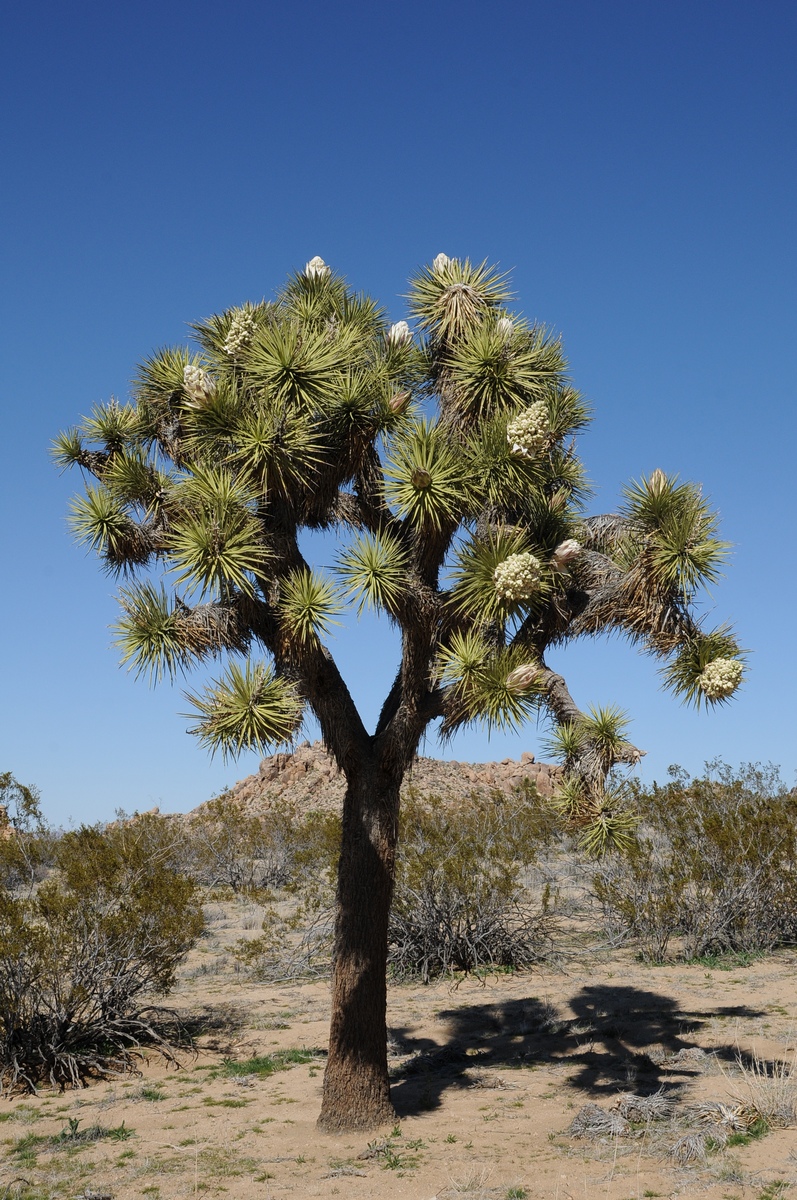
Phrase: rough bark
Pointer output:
(356, 1083)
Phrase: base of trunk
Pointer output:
(347, 1118)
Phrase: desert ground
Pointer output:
(489, 1076)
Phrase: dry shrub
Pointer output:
(462, 899)
(26, 842)
(765, 1091)
(297, 943)
(714, 863)
(229, 846)
(79, 954)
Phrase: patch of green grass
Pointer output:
(516, 1193)
(757, 1130)
(725, 962)
(211, 1103)
(774, 1190)
(152, 1093)
(70, 1137)
(21, 1189)
(264, 1065)
(26, 1148)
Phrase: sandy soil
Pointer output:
(488, 1077)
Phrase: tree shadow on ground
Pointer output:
(616, 1039)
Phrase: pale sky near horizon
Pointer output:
(632, 164)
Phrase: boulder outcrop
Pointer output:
(309, 778)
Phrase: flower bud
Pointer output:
(506, 327)
(197, 384)
(399, 334)
(399, 401)
(316, 268)
(421, 478)
(522, 678)
(558, 501)
(441, 262)
(657, 482)
(564, 554)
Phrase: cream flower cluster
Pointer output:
(242, 326)
(517, 577)
(720, 678)
(528, 433)
(197, 383)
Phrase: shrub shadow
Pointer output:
(615, 1039)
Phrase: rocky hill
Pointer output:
(309, 778)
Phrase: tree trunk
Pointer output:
(356, 1083)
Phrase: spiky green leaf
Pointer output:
(101, 521)
(279, 452)
(217, 540)
(295, 367)
(309, 604)
(112, 424)
(426, 479)
(249, 708)
(490, 375)
(148, 634)
(373, 570)
(481, 685)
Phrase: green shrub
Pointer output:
(82, 956)
(714, 863)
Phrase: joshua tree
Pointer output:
(446, 459)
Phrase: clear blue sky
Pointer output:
(632, 163)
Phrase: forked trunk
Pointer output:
(356, 1084)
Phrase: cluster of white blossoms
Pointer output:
(399, 334)
(198, 384)
(316, 268)
(528, 433)
(242, 326)
(517, 577)
(506, 327)
(720, 678)
(441, 262)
